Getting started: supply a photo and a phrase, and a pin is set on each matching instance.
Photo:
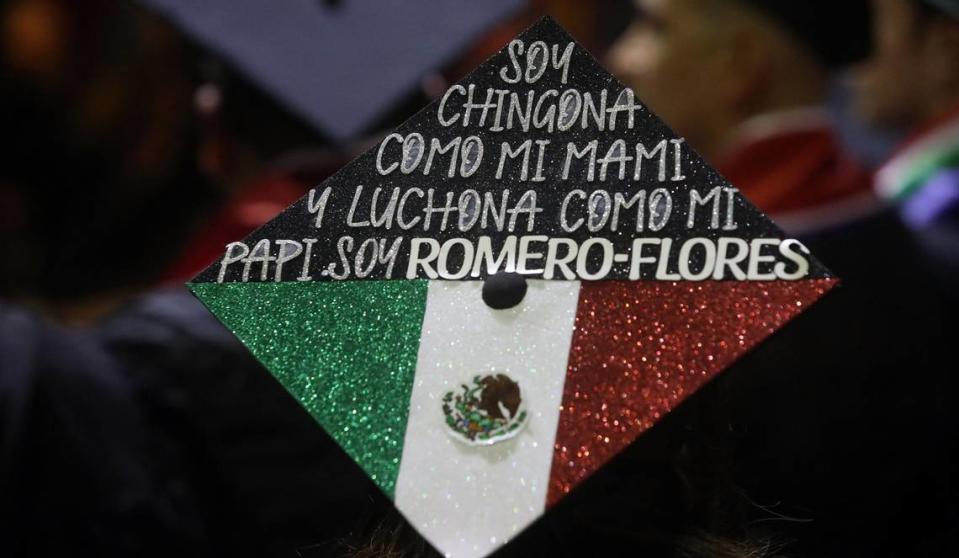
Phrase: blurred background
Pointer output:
(142, 137)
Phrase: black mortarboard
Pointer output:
(947, 7)
(504, 293)
(838, 33)
(340, 65)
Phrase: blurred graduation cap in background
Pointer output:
(837, 33)
(948, 7)
(339, 64)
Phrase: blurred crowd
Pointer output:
(133, 424)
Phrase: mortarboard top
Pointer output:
(949, 7)
(340, 65)
(837, 33)
(505, 292)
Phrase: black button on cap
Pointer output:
(504, 290)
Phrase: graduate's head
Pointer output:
(122, 134)
(95, 105)
(706, 65)
(913, 73)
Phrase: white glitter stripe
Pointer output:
(467, 500)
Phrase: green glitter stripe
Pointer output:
(345, 350)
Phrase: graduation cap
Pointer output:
(338, 64)
(508, 290)
(838, 33)
(948, 7)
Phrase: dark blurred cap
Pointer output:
(947, 7)
(838, 32)
(339, 64)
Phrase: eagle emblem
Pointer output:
(488, 410)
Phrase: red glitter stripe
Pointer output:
(640, 348)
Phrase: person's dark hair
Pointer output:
(101, 155)
(102, 168)
(399, 540)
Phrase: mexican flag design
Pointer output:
(639, 274)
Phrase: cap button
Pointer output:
(504, 290)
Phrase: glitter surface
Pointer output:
(598, 362)
(467, 500)
(640, 348)
(346, 351)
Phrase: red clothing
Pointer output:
(795, 171)
(254, 206)
(258, 202)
